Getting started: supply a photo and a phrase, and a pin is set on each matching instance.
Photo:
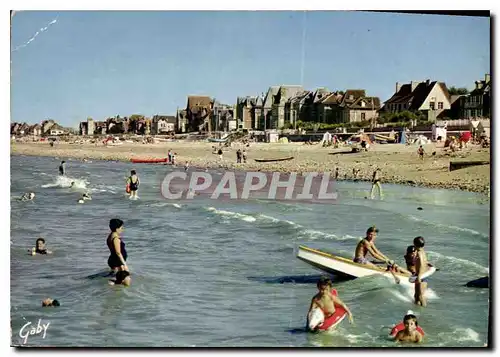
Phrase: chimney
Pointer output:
(398, 87)
(427, 82)
(479, 84)
(487, 78)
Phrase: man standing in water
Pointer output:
(376, 183)
(62, 168)
(421, 267)
(133, 184)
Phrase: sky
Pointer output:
(106, 63)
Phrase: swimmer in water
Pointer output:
(133, 183)
(326, 300)
(86, 197)
(40, 247)
(72, 184)
(118, 257)
(28, 196)
(121, 278)
(410, 332)
(50, 302)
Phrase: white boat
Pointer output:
(334, 264)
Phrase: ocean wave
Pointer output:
(276, 220)
(454, 261)
(460, 334)
(240, 216)
(65, 181)
(417, 219)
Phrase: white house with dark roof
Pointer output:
(429, 97)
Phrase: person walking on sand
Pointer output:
(238, 156)
(244, 154)
(376, 183)
(220, 153)
(336, 173)
(421, 152)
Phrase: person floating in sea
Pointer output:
(410, 332)
(50, 302)
(121, 278)
(421, 152)
(326, 300)
(376, 183)
(133, 184)
(421, 267)
(118, 254)
(86, 197)
(62, 168)
(28, 196)
(40, 247)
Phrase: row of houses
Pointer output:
(136, 124)
(286, 106)
(46, 128)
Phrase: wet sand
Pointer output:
(399, 163)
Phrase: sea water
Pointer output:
(212, 273)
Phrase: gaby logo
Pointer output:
(233, 185)
(30, 330)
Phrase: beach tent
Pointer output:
(402, 137)
(327, 137)
(484, 128)
(438, 131)
(421, 140)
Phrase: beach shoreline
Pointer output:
(399, 164)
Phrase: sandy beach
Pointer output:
(399, 163)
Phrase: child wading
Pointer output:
(410, 332)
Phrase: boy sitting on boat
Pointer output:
(326, 300)
(367, 245)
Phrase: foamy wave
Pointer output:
(241, 216)
(313, 234)
(460, 334)
(416, 219)
(276, 220)
(65, 181)
(456, 261)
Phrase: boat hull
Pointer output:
(274, 160)
(336, 265)
(149, 161)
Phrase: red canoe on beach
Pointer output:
(149, 161)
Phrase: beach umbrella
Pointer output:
(465, 137)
